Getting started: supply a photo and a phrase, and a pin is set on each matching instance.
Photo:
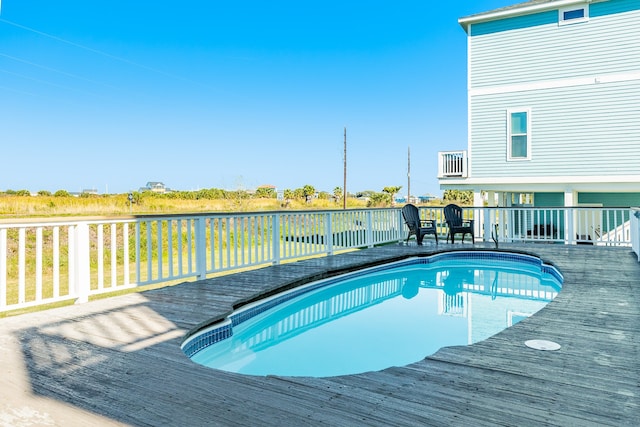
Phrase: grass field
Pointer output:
(116, 205)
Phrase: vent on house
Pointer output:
(570, 15)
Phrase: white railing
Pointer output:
(572, 225)
(47, 261)
(452, 164)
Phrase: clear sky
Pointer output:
(111, 94)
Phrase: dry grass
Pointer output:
(118, 205)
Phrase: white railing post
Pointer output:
(635, 231)
(569, 226)
(275, 239)
(137, 248)
(125, 239)
(201, 247)
(369, 231)
(488, 214)
(3, 267)
(328, 233)
(82, 263)
(465, 164)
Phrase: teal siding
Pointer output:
(516, 23)
(548, 200)
(610, 200)
(550, 17)
(607, 43)
(613, 6)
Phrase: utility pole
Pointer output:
(408, 174)
(344, 186)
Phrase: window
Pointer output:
(519, 134)
(570, 15)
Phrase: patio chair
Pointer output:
(457, 224)
(418, 227)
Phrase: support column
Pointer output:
(570, 198)
(491, 199)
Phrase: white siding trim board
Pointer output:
(619, 184)
(556, 84)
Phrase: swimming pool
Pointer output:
(389, 315)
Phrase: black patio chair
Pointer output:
(457, 224)
(418, 227)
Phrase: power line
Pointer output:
(99, 52)
(64, 73)
(44, 82)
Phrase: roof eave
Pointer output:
(465, 22)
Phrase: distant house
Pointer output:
(269, 187)
(90, 191)
(415, 199)
(553, 105)
(156, 187)
(426, 198)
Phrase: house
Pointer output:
(553, 106)
(156, 187)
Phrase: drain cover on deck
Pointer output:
(542, 345)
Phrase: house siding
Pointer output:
(548, 199)
(536, 48)
(575, 131)
(607, 200)
(581, 82)
(516, 23)
(610, 199)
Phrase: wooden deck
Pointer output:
(117, 361)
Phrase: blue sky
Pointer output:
(110, 94)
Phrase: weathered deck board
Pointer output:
(117, 361)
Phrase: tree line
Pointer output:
(307, 193)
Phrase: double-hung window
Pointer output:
(519, 134)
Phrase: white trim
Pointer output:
(555, 179)
(469, 149)
(555, 84)
(620, 184)
(563, 10)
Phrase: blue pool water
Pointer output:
(389, 315)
